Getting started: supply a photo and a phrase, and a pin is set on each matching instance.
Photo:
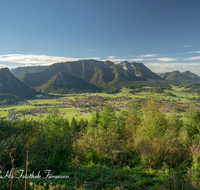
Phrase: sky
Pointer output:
(162, 34)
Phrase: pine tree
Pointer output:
(108, 116)
(75, 126)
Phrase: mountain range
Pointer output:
(181, 77)
(98, 73)
(83, 76)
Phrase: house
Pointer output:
(39, 96)
(13, 119)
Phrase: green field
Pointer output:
(67, 111)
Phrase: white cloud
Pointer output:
(2, 65)
(162, 64)
(38, 59)
(92, 49)
(148, 55)
(186, 46)
(168, 67)
(111, 57)
(193, 58)
(165, 59)
(135, 59)
(194, 52)
(121, 60)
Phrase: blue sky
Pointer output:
(162, 34)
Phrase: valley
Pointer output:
(85, 104)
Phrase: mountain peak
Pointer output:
(9, 84)
(183, 77)
(63, 82)
(5, 69)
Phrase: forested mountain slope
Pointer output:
(99, 73)
(19, 71)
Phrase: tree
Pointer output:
(192, 125)
(83, 124)
(55, 125)
(132, 120)
(75, 127)
(107, 117)
(175, 123)
(95, 119)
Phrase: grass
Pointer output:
(100, 177)
(69, 110)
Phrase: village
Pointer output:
(86, 105)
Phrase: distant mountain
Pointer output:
(99, 73)
(66, 83)
(12, 86)
(164, 75)
(12, 69)
(182, 77)
(139, 70)
(19, 71)
(191, 76)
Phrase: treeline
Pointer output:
(8, 99)
(73, 91)
(157, 89)
(144, 137)
(192, 87)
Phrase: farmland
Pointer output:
(83, 105)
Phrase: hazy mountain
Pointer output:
(99, 73)
(164, 75)
(182, 77)
(139, 70)
(66, 83)
(19, 71)
(10, 85)
(192, 76)
(12, 69)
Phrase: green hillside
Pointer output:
(182, 77)
(66, 83)
(10, 85)
(19, 71)
(99, 73)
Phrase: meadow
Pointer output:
(68, 111)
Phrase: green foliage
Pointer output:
(66, 83)
(132, 120)
(158, 137)
(184, 77)
(75, 127)
(192, 87)
(107, 117)
(95, 119)
(83, 124)
(6, 99)
(49, 185)
(135, 149)
(55, 125)
(169, 94)
(192, 125)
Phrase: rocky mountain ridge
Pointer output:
(99, 73)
